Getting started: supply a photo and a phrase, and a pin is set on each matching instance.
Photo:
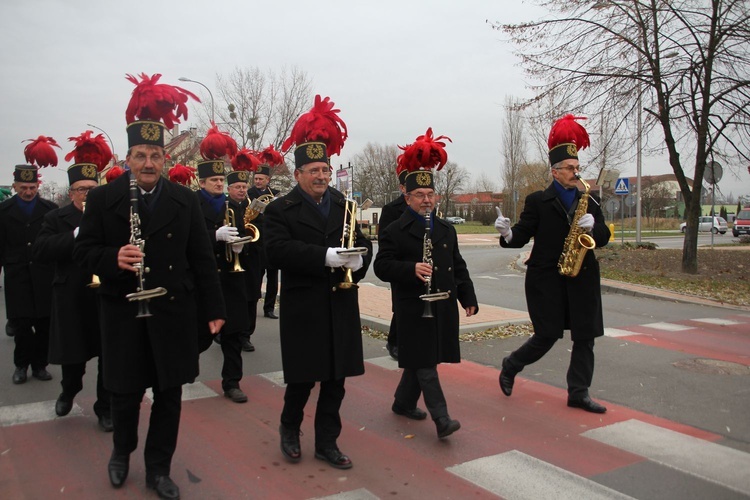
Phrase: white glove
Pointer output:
(75, 233)
(354, 262)
(237, 247)
(502, 224)
(226, 233)
(333, 259)
(586, 222)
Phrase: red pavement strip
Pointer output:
(722, 342)
(228, 450)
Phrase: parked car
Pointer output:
(742, 223)
(455, 220)
(704, 224)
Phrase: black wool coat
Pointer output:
(74, 325)
(28, 290)
(424, 342)
(161, 350)
(321, 336)
(233, 285)
(556, 302)
(250, 258)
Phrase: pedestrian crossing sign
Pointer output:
(622, 186)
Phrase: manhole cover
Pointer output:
(712, 366)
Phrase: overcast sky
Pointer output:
(394, 68)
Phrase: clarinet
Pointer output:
(141, 294)
(428, 297)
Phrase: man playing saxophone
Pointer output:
(558, 299)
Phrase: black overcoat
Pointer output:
(321, 336)
(74, 324)
(424, 342)
(252, 194)
(556, 302)
(250, 257)
(391, 212)
(28, 290)
(179, 257)
(233, 285)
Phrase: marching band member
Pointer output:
(418, 254)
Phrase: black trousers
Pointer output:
(580, 370)
(252, 309)
(421, 381)
(163, 427)
(327, 418)
(231, 370)
(32, 342)
(72, 383)
(272, 287)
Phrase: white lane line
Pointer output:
(360, 494)
(697, 457)
(717, 321)
(616, 332)
(275, 378)
(516, 476)
(669, 327)
(30, 413)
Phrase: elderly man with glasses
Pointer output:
(559, 302)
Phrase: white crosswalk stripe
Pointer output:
(516, 476)
(717, 321)
(29, 413)
(669, 327)
(616, 332)
(719, 464)
(360, 494)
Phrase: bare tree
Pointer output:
(449, 181)
(483, 184)
(683, 63)
(656, 198)
(514, 150)
(375, 172)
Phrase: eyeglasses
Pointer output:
(571, 169)
(422, 196)
(317, 171)
(82, 190)
(141, 158)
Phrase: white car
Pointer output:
(704, 224)
(455, 220)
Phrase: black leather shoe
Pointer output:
(19, 376)
(290, 446)
(105, 423)
(334, 457)
(118, 468)
(414, 414)
(41, 374)
(270, 314)
(63, 405)
(236, 395)
(507, 378)
(446, 426)
(247, 346)
(164, 487)
(392, 350)
(588, 404)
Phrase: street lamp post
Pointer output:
(184, 79)
(112, 144)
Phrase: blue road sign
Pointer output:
(622, 186)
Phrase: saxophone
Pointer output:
(577, 243)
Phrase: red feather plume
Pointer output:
(89, 149)
(40, 151)
(270, 157)
(217, 144)
(157, 101)
(322, 123)
(113, 173)
(181, 174)
(568, 130)
(246, 160)
(425, 153)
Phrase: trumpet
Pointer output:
(429, 297)
(142, 295)
(95, 281)
(231, 255)
(256, 207)
(348, 235)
